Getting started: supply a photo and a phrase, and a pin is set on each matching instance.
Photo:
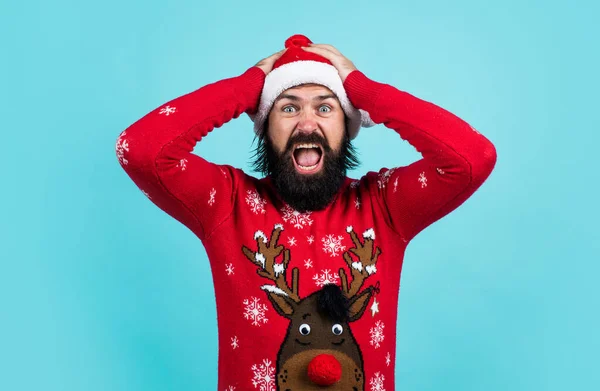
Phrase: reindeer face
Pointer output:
(321, 320)
(310, 328)
(319, 329)
(319, 348)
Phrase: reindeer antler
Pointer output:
(362, 269)
(268, 250)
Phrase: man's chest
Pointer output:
(342, 245)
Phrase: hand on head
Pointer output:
(266, 64)
(343, 65)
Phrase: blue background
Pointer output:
(100, 290)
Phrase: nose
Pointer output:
(324, 370)
(307, 124)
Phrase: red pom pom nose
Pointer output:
(324, 370)
(297, 40)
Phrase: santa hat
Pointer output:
(296, 67)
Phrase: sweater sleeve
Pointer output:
(156, 151)
(456, 158)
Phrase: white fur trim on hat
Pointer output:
(304, 72)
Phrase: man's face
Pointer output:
(306, 150)
(301, 115)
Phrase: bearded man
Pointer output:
(306, 262)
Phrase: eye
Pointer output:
(288, 109)
(304, 329)
(337, 329)
(324, 109)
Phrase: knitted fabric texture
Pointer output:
(270, 262)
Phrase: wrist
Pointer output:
(362, 91)
(249, 88)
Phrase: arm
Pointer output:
(456, 158)
(156, 151)
(456, 161)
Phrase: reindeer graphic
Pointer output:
(319, 348)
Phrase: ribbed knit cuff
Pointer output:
(362, 91)
(249, 87)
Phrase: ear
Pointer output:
(359, 304)
(282, 304)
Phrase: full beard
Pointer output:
(307, 192)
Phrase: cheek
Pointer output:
(335, 137)
(279, 135)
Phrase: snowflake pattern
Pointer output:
(121, 147)
(235, 343)
(229, 269)
(396, 185)
(388, 359)
(182, 163)
(357, 203)
(264, 376)
(384, 178)
(440, 171)
(297, 219)
(167, 110)
(326, 277)
(308, 264)
(255, 311)
(376, 382)
(146, 194)
(310, 239)
(423, 179)
(332, 245)
(223, 172)
(292, 241)
(354, 184)
(230, 388)
(211, 199)
(377, 334)
(256, 202)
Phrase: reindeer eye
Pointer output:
(304, 329)
(337, 329)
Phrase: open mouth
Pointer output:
(308, 157)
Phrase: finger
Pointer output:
(278, 54)
(323, 47)
(272, 58)
(328, 54)
(328, 47)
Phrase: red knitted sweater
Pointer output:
(270, 262)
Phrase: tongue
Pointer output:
(307, 157)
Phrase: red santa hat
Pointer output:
(296, 67)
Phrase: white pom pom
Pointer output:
(279, 226)
(278, 268)
(349, 229)
(260, 234)
(369, 234)
(371, 269)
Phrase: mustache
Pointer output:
(312, 138)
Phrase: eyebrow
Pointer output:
(296, 99)
(305, 316)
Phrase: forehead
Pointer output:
(308, 91)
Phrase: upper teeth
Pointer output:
(307, 146)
